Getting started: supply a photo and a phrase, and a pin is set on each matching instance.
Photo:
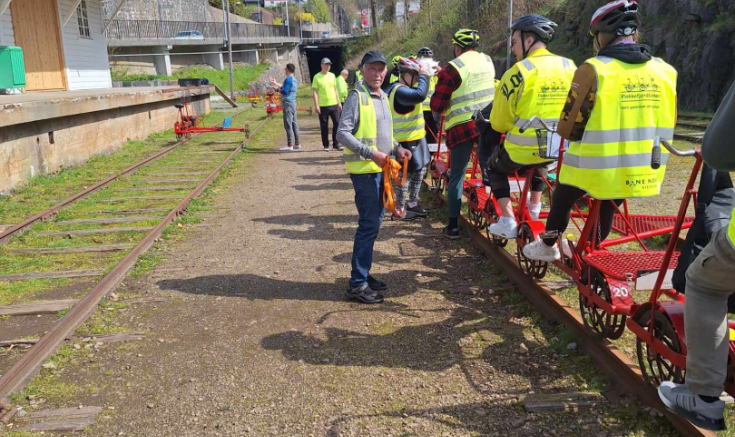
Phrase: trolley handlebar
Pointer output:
(656, 152)
(535, 119)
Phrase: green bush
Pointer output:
(242, 75)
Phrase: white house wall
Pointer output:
(6, 29)
(87, 64)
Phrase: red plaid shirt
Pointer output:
(448, 82)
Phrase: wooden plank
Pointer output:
(64, 419)
(52, 275)
(540, 402)
(94, 231)
(42, 307)
(107, 221)
(125, 199)
(225, 96)
(102, 338)
(169, 181)
(65, 250)
(165, 188)
(135, 211)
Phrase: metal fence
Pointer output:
(154, 29)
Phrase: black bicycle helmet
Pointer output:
(425, 52)
(619, 17)
(534, 23)
(466, 38)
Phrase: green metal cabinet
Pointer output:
(12, 68)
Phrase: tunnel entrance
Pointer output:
(315, 54)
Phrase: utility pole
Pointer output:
(229, 52)
(301, 25)
(510, 33)
(288, 22)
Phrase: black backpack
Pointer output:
(715, 201)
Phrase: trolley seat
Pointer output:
(621, 265)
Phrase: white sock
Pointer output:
(534, 209)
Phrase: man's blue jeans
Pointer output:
(460, 158)
(369, 202)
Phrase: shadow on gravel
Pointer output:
(318, 160)
(321, 187)
(259, 287)
(322, 177)
(307, 219)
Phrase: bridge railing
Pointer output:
(154, 29)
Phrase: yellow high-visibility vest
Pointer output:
(407, 127)
(432, 87)
(476, 91)
(731, 229)
(367, 133)
(547, 79)
(635, 103)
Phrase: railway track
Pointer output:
(623, 371)
(691, 123)
(109, 230)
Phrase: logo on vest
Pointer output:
(552, 89)
(639, 92)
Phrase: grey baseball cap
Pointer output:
(373, 56)
(326, 61)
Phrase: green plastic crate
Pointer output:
(12, 68)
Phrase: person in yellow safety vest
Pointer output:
(708, 287)
(465, 85)
(358, 78)
(342, 85)
(406, 97)
(366, 131)
(432, 131)
(535, 86)
(620, 101)
(392, 77)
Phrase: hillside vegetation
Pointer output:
(696, 36)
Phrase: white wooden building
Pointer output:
(63, 43)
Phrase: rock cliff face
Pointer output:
(696, 36)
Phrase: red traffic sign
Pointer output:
(364, 12)
(364, 22)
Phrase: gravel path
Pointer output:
(257, 339)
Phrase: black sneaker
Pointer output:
(452, 234)
(407, 217)
(376, 284)
(364, 294)
(338, 148)
(418, 210)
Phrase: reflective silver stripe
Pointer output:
(472, 96)
(350, 156)
(459, 63)
(370, 142)
(625, 135)
(422, 126)
(566, 63)
(528, 64)
(604, 59)
(523, 141)
(611, 162)
(402, 119)
(353, 158)
(466, 109)
(521, 121)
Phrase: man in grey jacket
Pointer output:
(366, 132)
(708, 286)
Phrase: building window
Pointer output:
(83, 20)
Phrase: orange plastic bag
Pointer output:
(391, 170)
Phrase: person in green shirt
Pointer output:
(327, 103)
(342, 85)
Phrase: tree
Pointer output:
(320, 10)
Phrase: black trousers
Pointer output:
(432, 130)
(562, 202)
(327, 112)
(499, 181)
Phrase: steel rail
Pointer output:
(7, 233)
(29, 365)
(608, 358)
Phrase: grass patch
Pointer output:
(242, 75)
